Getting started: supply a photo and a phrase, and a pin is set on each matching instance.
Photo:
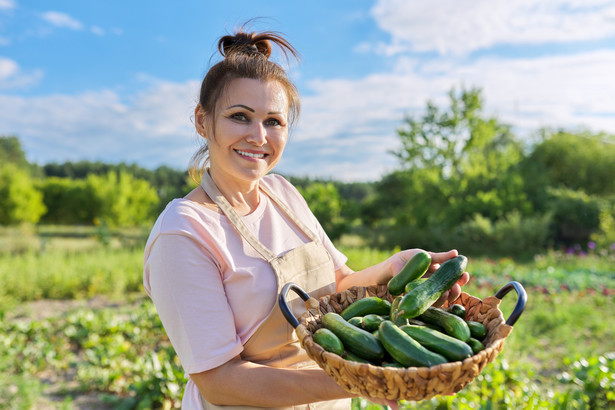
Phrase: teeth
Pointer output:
(249, 154)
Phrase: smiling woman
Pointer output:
(216, 259)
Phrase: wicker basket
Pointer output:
(413, 383)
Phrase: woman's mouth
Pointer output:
(250, 154)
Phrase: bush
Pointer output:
(513, 235)
(576, 216)
(20, 201)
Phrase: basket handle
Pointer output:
(521, 300)
(284, 305)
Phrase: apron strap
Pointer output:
(214, 193)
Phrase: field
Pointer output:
(76, 330)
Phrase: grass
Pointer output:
(559, 354)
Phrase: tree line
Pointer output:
(464, 179)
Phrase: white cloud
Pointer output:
(62, 20)
(462, 26)
(98, 31)
(11, 75)
(7, 4)
(351, 124)
(150, 128)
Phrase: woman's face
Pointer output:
(250, 130)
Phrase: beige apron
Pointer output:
(310, 266)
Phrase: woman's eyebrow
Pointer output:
(242, 106)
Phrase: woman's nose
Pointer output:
(258, 135)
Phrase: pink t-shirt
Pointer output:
(210, 287)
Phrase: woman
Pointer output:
(217, 258)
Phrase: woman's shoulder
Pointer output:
(184, 215)
(279, 185)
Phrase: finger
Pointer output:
(439, 257)
(465, 278)
(453, 293)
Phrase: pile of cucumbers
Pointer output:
(409, 331)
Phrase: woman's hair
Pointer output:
(246, 55)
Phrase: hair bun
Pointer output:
(248, 43)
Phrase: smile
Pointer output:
(251, 155)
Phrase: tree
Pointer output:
(11, 152)
(325, 202)
(19, 199)
(455, 163)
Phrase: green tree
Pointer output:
(11, 152)
(121, 199)
(20, 201)
(455, 163)
(325, 202)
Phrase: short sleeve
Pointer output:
(187, 289)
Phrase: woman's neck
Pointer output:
(242, 195)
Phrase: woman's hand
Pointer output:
(399, 260)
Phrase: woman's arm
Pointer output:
(238, 382)
(381, 273)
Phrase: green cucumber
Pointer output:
(371, 322)
(414, 269)
(453, 325)
(328, 341)
(356, 340)
(414, 284)
(365, 306)
(449, 347)
(477, 329)
(476, 345)
(424, 295)
(354, 358)
(356, 321)
(406, 350)
(457, 310)
(395, 316)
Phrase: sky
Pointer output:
(117, 81)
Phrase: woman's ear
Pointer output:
(199, 121)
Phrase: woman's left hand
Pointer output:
(399, 260)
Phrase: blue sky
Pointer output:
(118, 80)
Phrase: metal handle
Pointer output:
(284, 305)
(521, 300)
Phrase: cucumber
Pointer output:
(477, 329)
(371, 322)
(406, 350)
(395, 316)
(327, 339)
(356, 321)
(424, 295)
(414, 269)
(453, 325)
(457, 310)
(355, 340)
(353, 357)
(476, 345)
(365, 306)
(449, 347)
(414, 284)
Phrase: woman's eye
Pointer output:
(239, 116)
(272, 122)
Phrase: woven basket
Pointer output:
(413, 383)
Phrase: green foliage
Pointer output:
(580, 162)
(19, 199)
(122, 199)
(510, 235)
(325, 202)
(12, 153)
(576, 216)
(68, 201)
